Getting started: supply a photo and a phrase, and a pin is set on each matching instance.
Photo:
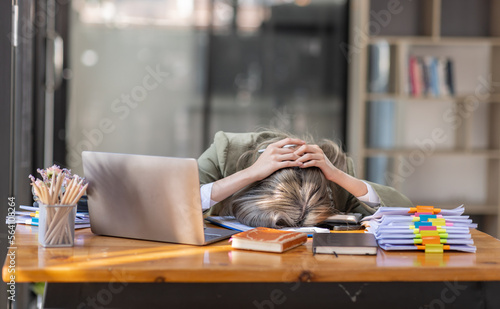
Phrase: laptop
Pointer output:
(147, 197)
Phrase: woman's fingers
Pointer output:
(310, 163)
(309, 157)
(276, 157)
(279, 155)
(287, 141)
(313, 155)
(284, 164)
(309, 152)
(308, 149)
(288, 157)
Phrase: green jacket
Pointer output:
(219, 161)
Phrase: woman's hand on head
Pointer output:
(272, 159)
(313, 156)
(276, 157)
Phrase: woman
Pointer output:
(269, 179)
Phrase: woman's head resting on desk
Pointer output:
(289, 197)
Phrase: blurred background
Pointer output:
(223, 65)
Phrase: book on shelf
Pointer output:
(379, 69)
(450, 76)
(345, 243)
(381, 126)
(415, 77)
(267, 239)
(421, 228)
(431, 76)
(442, 82)
(425, 63)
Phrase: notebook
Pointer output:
(345, 243)
(147, 197)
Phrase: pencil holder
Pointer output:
(56, 227)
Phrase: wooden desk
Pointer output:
(103, 260)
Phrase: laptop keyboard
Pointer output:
(211, 236)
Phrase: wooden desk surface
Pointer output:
(102, 259)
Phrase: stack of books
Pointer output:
(431, 76)
(422, 228)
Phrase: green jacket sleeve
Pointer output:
(220, 159)
(213, 160)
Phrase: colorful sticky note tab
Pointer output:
(429, 233)
(420, 209)
(434, 248)
(438, 222)
(431, 240)
(427, 217)
(428, 228)
(419, 224)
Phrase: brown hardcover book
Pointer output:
(267, 239)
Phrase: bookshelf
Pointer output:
(441, 150)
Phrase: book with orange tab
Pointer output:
(268, 239)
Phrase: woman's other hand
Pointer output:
(276, 157)
(313, 155)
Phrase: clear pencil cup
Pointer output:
(56, 225)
